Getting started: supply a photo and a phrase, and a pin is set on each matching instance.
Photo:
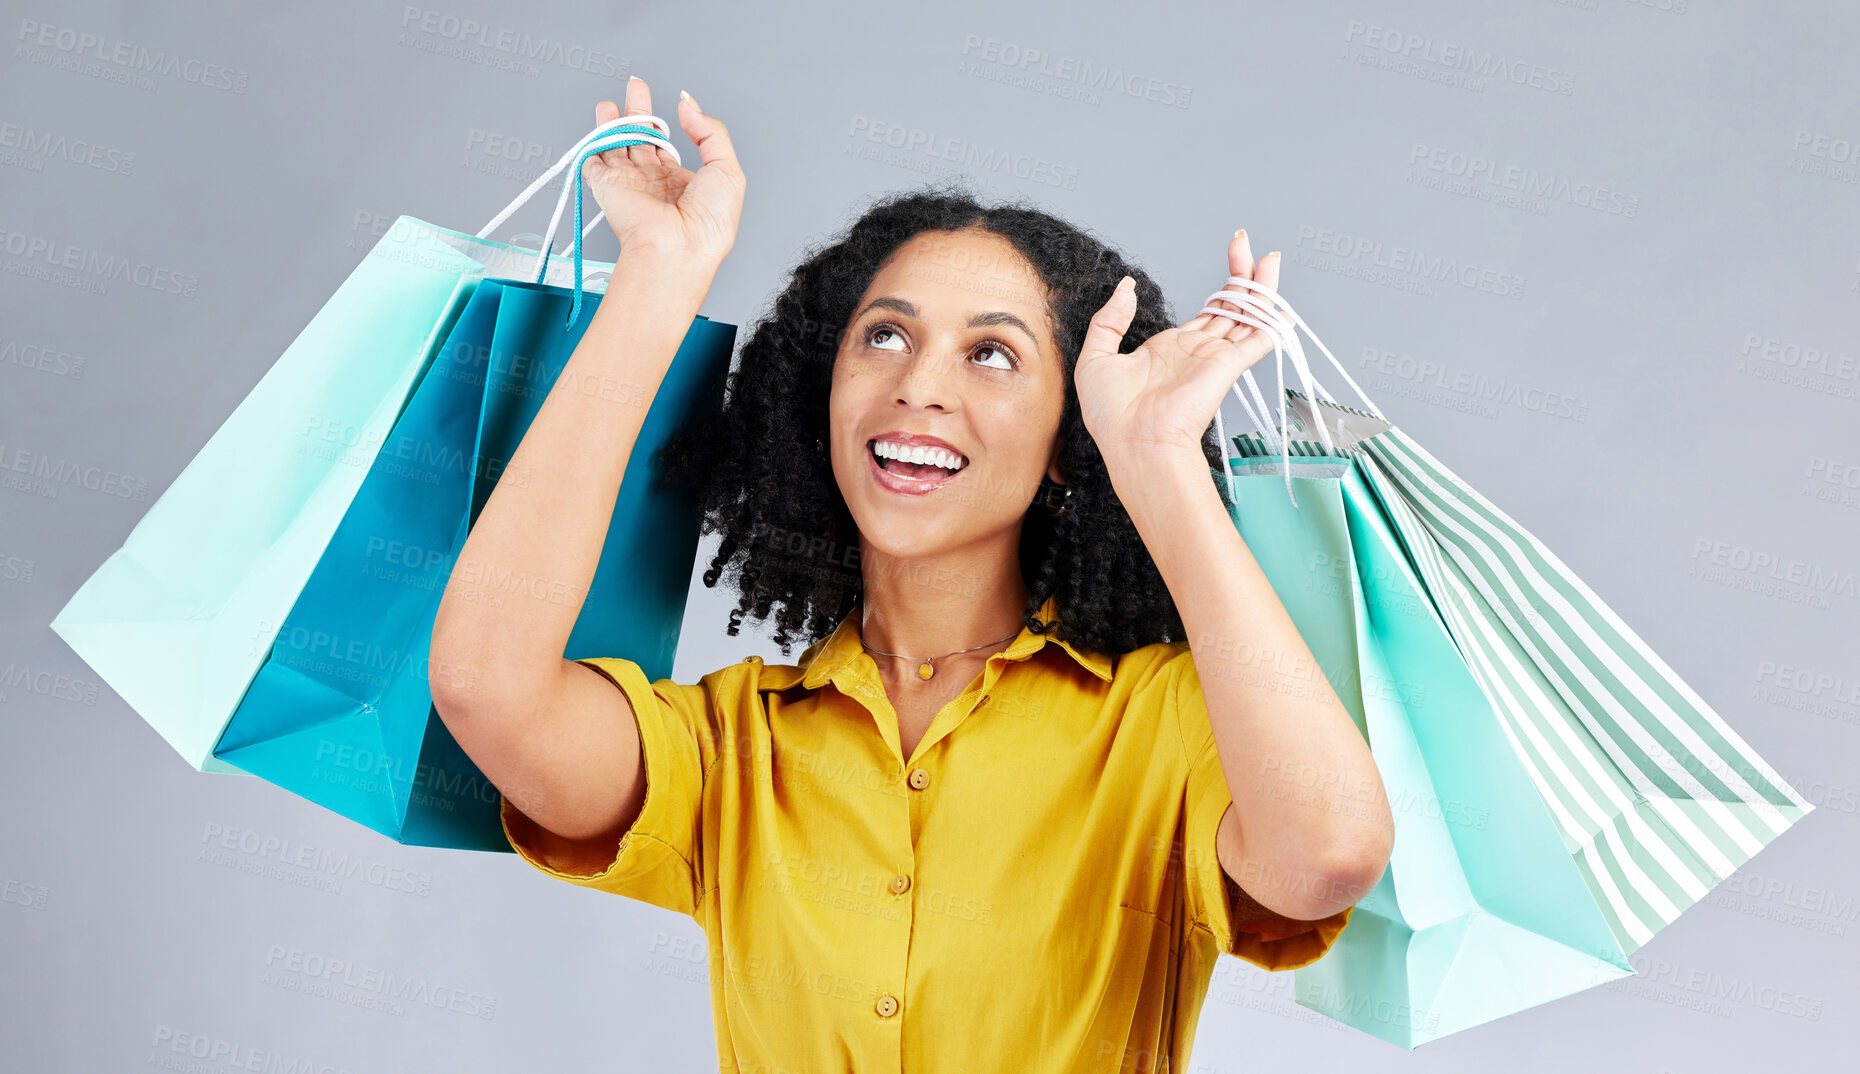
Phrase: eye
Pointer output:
(996, 347)
(878, 330)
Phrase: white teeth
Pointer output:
(934, 456)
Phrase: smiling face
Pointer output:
(948, 359)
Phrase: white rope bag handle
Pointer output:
(1267, 311)
(661, 140)
(613, 134)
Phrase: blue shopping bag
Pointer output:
(175, 620)
(341, 711)
(179, 618)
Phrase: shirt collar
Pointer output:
(837, 652)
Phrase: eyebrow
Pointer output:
(980, 320)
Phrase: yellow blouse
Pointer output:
(1035, 889)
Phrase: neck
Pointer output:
(927, 607)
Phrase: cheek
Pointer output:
(850, 397)
(1028, 425)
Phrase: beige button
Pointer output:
(887, 1006)
(900, 884)
(919, 779)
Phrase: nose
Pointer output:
(925, 381)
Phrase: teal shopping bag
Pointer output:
(1560, 795)
(341, 711)
(179, 619)
(1481, 912)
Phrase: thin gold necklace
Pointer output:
(925, 668)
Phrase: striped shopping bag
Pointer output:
(1654, 797)
(1657, 799)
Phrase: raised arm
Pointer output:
(554, 735)
(1147, 410)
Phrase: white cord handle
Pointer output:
(1276, 317)
(660, 140)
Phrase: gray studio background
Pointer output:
(1644, 348)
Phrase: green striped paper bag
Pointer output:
(1656, 797)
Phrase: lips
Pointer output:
(898, 438)
(913, 464)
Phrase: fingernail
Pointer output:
(1239, 233)
(632, 78)
(1126, 284)
(692, 99)
(1274, 253)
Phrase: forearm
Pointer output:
(524, 571)
(1270, 706)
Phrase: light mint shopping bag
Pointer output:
(1559, 794)
(1481, 911)
(180, 618)
(341, 713)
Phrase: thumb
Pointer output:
(1112, 320)
(707, 133)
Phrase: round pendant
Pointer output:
(924, 669)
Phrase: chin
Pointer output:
(901, 538)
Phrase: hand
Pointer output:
(651, 202)
(1164, 393)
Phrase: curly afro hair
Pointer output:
(789, 544)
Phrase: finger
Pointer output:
(1241, 263)
(711, 137)
(665, 156)
(638, 103)
(1106, 332)
(1237, 252)
(605, 112)
(1268, 274)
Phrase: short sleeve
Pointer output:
(1241, 927)
(658, 859)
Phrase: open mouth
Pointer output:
(928, 467)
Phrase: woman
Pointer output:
(999, 816)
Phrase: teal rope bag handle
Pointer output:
(635, 133)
